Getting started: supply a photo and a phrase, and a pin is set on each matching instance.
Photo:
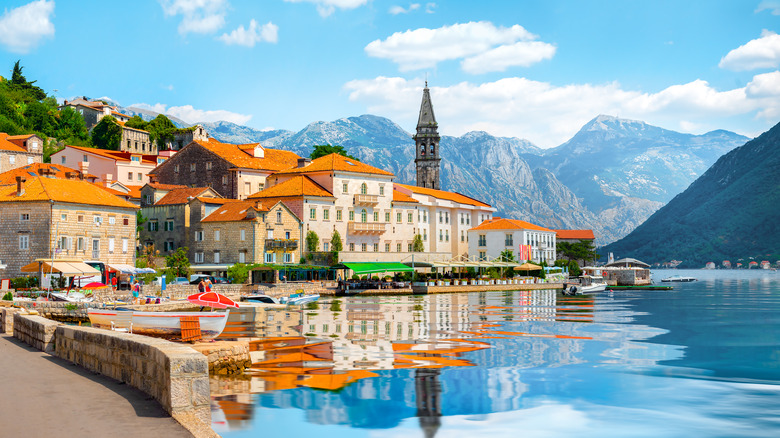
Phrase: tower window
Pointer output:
(433, 149)
(422, 149)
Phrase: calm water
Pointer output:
(700, 360)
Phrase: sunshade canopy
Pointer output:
(125, 269)
(528, 267)
(65, 268)
(375, 267)
(212, 299)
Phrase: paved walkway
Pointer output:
(45, 396)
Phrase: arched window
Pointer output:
(433, 149)
(422, 149)
(363, 215)
(363, 189)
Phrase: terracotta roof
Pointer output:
(233, 211)
(117, 113)
(508, 224)
(159, 186)
(402, 197)
(31, 170)
(335, 162)
(135, 191)
(63, 190)
(116, 155)
(12, 143)
(212, 200)
(180, 196)
(441, 194)
(236, 155)
(300, 185)
(575, 234)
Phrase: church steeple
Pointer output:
(427, 144)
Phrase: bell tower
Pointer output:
(426, 142)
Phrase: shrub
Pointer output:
(8, 296)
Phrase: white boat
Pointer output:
(300, 299)
(678, 279)
(260, 298)
(162, 324)
(71, 297)
(595, 287)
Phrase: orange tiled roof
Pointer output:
(508, 224)
(6, 143)
(63, 190)
(240, 155)
(441, 194)
(135, 191)
(402, 197)
(300, 185)
(116, 155)
(575, 234)
(31, 170)
(213, 200)
(233, 211)
(335, 162)
(165, 186)
(180, 196)
(117, 113)
(122, 124)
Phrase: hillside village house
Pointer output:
(151, 193)
(44, 169)
(574, 236)
(130, 169)
(187, 136)
(19, 150)
(133, 140)
(44, 217)
(528, 242)
(377, 219)
(233, 171)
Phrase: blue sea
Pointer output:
(701, 360)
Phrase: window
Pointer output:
(63, 159)
(30, 160)
(398, 217)
(63, 217)
(242, 257)
(461, 218)
(398, 248)
(270, 233)
(85, 157)
(270, 257)
(376, 247)
(24, 242)
(468, 220)
(446, 217)
(12, 159)
(363, 247)
(124, 245)
(410, 217)
(508, 240)
(441, 236)
(351, 215)
(135, 159)
(80, 244)
(216, 235)
(140, 176)
(279, 216)
(344, 188)
(363, 216)
(153, 226)
(208, 165)
(363, 189)
(130, 176)
(64, 243)
(462, 236)
(338, 215)
(326, 246)
(168, 225)
(376, 216)
(111, 220)
(425, 235)
(288, 257)
(192, 167)
(216, 256)
(387, 247)
(446, 235)
(199, 257)
(176, 168)
(387, 216)
(99, 220)
(80, 218)
(286, 234)
(242, 235)
(199, 236)
(224, 180)
(381, 190)
(441, 218)
(110, 245)
(410, 247)
(326, 214)
(312, 213)
(125, 221)
(482, 255)
(482, 240)
(128, 144)
(352, 247)
(24, 217)
(425, 217)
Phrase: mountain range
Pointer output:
(729, 213)
(609, 177)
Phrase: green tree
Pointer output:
(140, 220)
(417, 244)
(335, 242)
(71, 128)
(326, 149)
(507, 255)
(137, 122)
(239, 272)
(19, 82)
(312, 241)
(107, 134)
(41, 119)
(178, 263)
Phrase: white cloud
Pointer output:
(773, 6)
(198, 16)
(395, 10)
(192, 115)
(762, 52)
(424, 48)
(268, 32)
(548, 115)
(327, 7)
(430, 8)
(522, 54)
(22, 28)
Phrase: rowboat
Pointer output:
(160, 324)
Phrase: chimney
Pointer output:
(108, 177)
(258, 151)
(84, 168)
(71, 175)
(303, 162)
(20, 185)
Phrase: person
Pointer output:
(136, 291)
(208, 285)
(113, 283)
(202, 286)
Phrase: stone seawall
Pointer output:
(36, 331)
(483, 287)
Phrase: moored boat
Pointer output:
(162, 324)
(678, 279)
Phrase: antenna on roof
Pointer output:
(426, 79)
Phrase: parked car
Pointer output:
(196, 278)
(180, 280)
(220, 280)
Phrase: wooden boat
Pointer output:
(162, 324)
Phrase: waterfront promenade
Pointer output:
(45, 396)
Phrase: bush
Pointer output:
(8, 296)
(355, 277)
(375, 278)
(24, 282)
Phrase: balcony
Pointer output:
(366, 227)
(369, 200)
(285, 244)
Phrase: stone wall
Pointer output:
(7, 319)
(36, 331)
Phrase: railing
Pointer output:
(366, 227)
(281, 243)
(361, 199)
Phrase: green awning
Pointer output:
(375, 267)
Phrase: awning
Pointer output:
(125, 269)
(375, 267)
(66, 269)
(200, 268)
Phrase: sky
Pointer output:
(537, 70)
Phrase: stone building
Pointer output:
(43, 217)
(91, 111)
(426, 142)
(233, 171)
(136, 140)
(528, 242)
(46, 170)
(133, 140)
(187, 136)
(151, 193)
(19, 150)
(128, 168)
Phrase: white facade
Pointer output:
(491, 238)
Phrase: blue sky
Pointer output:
(537, 70)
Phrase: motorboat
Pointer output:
(678, 279)
(71, 297)
(260, 298)
(595, 287)
(160, 324)
(592, 283)
(299, 299)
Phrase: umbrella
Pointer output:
(528, 267)
(212, 299)
(94, 285)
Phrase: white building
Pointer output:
(528, 242)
